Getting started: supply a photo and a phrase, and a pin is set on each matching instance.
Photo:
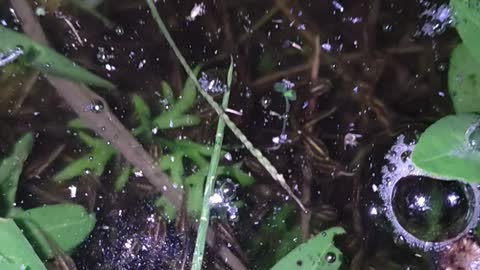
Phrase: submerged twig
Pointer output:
(209, 184)
(238, 133)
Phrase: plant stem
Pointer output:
(236, 131)
(209, 184)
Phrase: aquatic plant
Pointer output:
(48, 229)
(448, 149)
(17, 46)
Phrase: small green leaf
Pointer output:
(122, 178)
(10, 170)
(318, 253)
(464, 81)
(280, 87)
(15, 251)
(447, 151)
(467, 21)
(63, 225)
(47, 60)
(291, 95)
(167, 92)
(95, 161)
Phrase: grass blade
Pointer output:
(210, 182)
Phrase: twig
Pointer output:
(236, 131)
(103, 122)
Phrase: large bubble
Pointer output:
(425, 212)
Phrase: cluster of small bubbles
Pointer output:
(211, 85)
(437, 18)
(222, 199)
(103, 56)
(425, 213)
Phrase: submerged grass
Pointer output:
(210, 182)
(238, 133)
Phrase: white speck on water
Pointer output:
(197, 11)
(141, 64)
(338, 6)
(128, 243)
(216, 198)
(138, 173)
(327, 47)
(73, 191)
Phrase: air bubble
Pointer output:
(119, 30)
(96, 106)
(265, 102)
(330, 257)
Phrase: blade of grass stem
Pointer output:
(236, 131)
(210, 182)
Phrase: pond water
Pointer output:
(333, 93)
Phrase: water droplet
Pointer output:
(265, 101)
(330, 257)
(392, 167)
(96, 106)
(442, 67)
(387, 28)
(119, 30)
(472, 136)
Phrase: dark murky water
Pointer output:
(364, 73)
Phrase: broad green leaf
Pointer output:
(16, 253)
(10, 170)
(62, 226)
(446, 151)
(467, 21)
(464, 81)
(318, 253)
(47, 60)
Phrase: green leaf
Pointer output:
(64, 226)
(445, 150)
(122, 178)
(167, 92)
(15, 251)
(467, 21)
(318, 253)
(95, 161)
(280, 87)
(291, 95)
(10, 170)
(464, 81)
(47, 60)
